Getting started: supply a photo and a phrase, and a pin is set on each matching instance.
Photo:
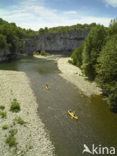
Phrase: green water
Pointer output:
(96, 124)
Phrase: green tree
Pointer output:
(93, 45)
(77, 55)
(107, 71)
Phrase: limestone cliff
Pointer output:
(59, 43)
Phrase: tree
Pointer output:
(77, 55)
(107, 71)
(93, 45)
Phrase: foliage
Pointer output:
(107, 70)
(77, 27)
(70, 61)
(44, 53)
(35, 53)
(11, 36)
(3, 114)
(92, 47)
(5, 127)
(77, 55)
(20, 121)
(2, 107)
(113, 27)
(15, 106)
(11, 140)
(98, 59)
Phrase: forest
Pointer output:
(11, 35)
(97, 58)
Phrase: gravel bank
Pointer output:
(74, 75)
(32, 138)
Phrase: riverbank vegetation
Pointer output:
(97, 58)
(42, 53)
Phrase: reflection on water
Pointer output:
(96, 124)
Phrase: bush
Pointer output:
(11, 141)
(15, 106)
(20, 121)
(2, 107)
(70, 61)
(13, 132)
(77, 55)
(3, 114)
(5, 127)
(44, 53)
(35, 53)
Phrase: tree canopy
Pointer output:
(99, 59)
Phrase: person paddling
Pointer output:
(46, 86)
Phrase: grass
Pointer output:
(15, 106)
(2, 107)
(3, 114)
(20, 121)
(13, 132)
(4, 127)
(11, 141)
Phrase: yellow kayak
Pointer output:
(72, 115)
(46, 87)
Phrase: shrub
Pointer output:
(44, 53)
(15, 106)
(2, 107)
(77, 55)
(20, 121)
(13, 132)
(3, 114)
(35, 53)
(11, 141)
(5, 127)
(70, 61)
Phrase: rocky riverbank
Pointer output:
(74, 75)
(31, 137)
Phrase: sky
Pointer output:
(36, 14)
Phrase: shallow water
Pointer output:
(96, 124)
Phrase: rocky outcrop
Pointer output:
(5, 54)
(55, 43)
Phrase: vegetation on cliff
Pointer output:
(11, 36)
(97, 57)
(77, 27)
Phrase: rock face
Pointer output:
(5, 54)
(55, 43)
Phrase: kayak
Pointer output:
(72, 115)
(46, 88)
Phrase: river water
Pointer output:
(96, 124)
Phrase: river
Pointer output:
(96, 124)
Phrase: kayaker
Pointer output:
(46, 86)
